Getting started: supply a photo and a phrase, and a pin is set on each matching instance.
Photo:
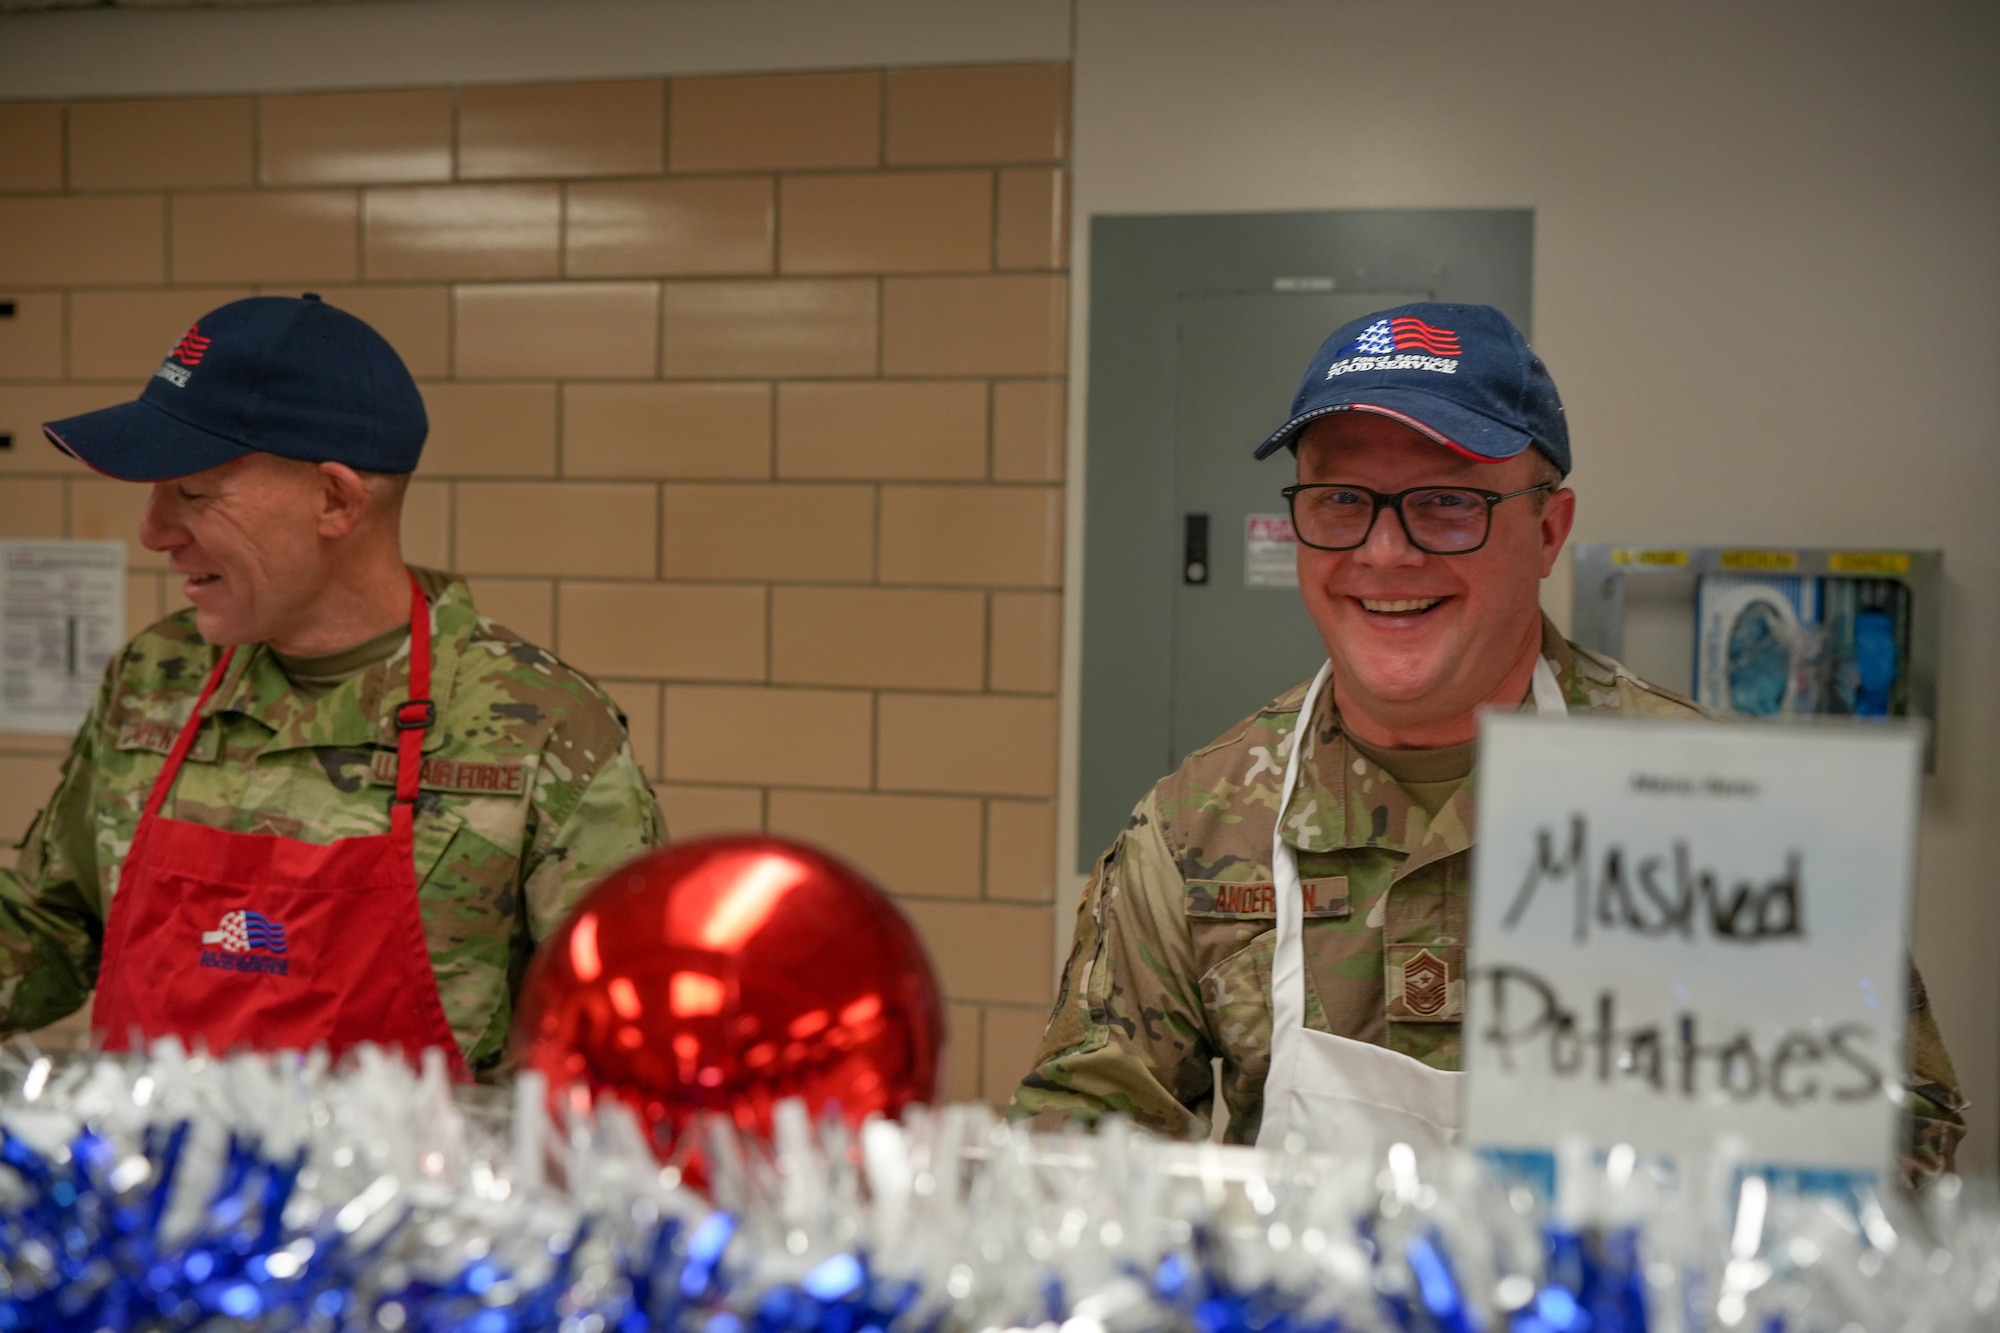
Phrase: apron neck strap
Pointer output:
(1547, 691)
(1288, 970)
(185, 741)
(415, 715)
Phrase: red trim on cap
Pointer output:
(62, 444)
(1426, 432)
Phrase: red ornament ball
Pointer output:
(725, 974)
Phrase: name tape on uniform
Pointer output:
(1682, 930)
(139, 733)
(1325, 897)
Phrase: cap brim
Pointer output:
(139, 442)
(1455, 427)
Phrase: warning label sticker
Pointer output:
(1268, 546)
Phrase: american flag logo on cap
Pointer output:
(1403, 334)
(191, 348)
(242, 932)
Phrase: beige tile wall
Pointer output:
(746, 396)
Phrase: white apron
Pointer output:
(1325, 1086)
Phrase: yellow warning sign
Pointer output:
(1764, 561)
(1654, 557)
(1869, 562)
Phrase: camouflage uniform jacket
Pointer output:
(1172, 962)
(529, 794)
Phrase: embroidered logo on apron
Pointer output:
(242, 937)
(1426, 984)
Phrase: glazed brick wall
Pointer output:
(746, 396)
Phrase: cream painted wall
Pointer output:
(1766, 279)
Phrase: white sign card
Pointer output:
(1270, 552)
(1682, 931)
(62, 616)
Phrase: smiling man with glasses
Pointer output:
(1431, 450)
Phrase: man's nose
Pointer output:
(160, 527)
(1388, 542)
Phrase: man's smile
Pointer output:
(1399, 606)
(195, 578)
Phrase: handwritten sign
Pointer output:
(1686, 930)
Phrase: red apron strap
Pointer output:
(185, 741)
(415, 715)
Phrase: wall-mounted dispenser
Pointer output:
(1770, 632)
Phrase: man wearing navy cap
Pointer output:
(1293, 899)
(328, 803)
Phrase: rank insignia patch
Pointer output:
(1426, 983)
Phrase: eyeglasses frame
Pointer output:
(1395, 502)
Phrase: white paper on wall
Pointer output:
(62, 616)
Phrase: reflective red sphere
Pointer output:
(725, 974)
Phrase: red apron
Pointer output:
(244, 939)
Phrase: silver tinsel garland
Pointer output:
(275, 1192)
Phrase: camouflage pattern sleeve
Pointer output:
(1933, 1108)
(51, 929)
(591, 825)
(1128, 1033)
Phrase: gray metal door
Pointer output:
(1241, 634)
(1200, 327)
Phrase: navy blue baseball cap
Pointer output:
(281, 375)
(1461, 374)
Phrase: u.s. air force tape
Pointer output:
(457, 776)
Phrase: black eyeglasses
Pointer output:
(1439, 520)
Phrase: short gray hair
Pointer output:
(1545, 473)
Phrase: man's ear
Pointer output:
(344, 498)
(1557, 517)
